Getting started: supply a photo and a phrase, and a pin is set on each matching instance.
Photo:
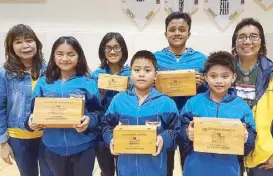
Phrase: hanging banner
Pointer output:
(188, 6)
(223, 12)
(140, 11)
(265, 4)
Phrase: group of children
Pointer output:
(72, 151)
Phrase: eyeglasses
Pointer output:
(243, 38)
(115, 48)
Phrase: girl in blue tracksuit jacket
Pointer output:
(132, 107)
(113, 54)
(69, 150)
(219, 101)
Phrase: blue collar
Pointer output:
(230, 96)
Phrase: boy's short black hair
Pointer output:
(144, 54)
(222, 58)
(178, 15)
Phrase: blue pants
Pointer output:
(27, 153)
(80, 164)
(259, 172)
(105, 159)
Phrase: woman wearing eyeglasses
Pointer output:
(255, 85)
(113, 54)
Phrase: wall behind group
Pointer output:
(90, 20)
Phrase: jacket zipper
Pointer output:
(138, 107)
(217, 111)
(66, 152)
(217, 115)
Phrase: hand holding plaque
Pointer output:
(159, 145)
(190, 131)
(34, 126)
(112, 147)
(199, 79)
(83, 126)
(245, 133)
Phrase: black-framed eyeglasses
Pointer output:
(243, 38)
(115, 48)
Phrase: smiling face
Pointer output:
(219, 79)
(24, 47)
(143, 74)
(113, 52)
(252, 44)
(177, 33)
(66, 58)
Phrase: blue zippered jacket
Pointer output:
(67, 141)
(208, 164)
(109, 93)
(15, 100)
(191, 59)
(157, 107)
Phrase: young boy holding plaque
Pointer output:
(220, 101)
(142, 105)
(69, 151)
(177, 56)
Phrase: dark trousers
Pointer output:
(241, 163)
(28, 155)
(182, 152)
(80, 164)
(170, 162)
(105, 160)
(259, 172)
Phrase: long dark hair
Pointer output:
(247, 22)
(109, 36)
(13, 64)
(53, 72)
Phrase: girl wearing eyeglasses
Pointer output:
(254, 84)
(113, 54)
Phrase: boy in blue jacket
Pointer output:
(219, 101)
(140, 105)
(177, 56)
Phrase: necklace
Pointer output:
(246, 75)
